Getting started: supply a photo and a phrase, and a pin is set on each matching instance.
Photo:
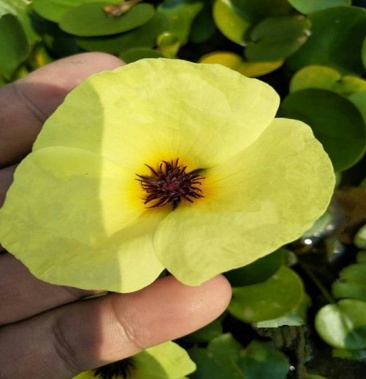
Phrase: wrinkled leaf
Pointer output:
(336, 123)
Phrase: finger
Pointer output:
(28, 102)
(22, 295)
(6, 178)
(88, 334)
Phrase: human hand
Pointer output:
(48, 331)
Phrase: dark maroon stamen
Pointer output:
(170, 183)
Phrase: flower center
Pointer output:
(170, 183)
(119, 369)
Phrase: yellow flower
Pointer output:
(163, 164)
(165, 361)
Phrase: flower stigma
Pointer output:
(170, 183)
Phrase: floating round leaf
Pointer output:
(143, 36)
(326, 78)
(230, 21)
(180, 15)
(134, 55)
(343, 325)
(336, 122)
(336, 40)
(53, 10)
(14, 45)
(359, 100)
(255, 11)
(277, 37)
(352, 283)
(268, 300)
(237, 63)
(89, 20)
(257, 271)
(360, 238)
(261, 360)
(310, 6)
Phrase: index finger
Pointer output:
(28, 102)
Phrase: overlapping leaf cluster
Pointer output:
(314, 54)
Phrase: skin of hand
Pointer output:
(48, 331)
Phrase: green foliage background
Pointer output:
(301, 311)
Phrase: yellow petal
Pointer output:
(158, 109)
(76, 224)
(255, 202)
(167, 360)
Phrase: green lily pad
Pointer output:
(180, 14)
(226, 345)
(168, 44)
(230, 21)
(268, 300)
(257, 271)
(352, 283)
(237, 63)
(336, 40)
(343, 325)
(326, 78)
(14, 46)
(205, 334)
(336, 123)
(53, 10)
(359, 355)
(203, 25)
(20, 9)
(261, 360)
(133, 55)
(360, 238)
(277, 37)
(144, 36)
(297, 316)
(90, 20)
(310, 6)
(361, 255)
(217, 364)
(257, 10)
(359, 100)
